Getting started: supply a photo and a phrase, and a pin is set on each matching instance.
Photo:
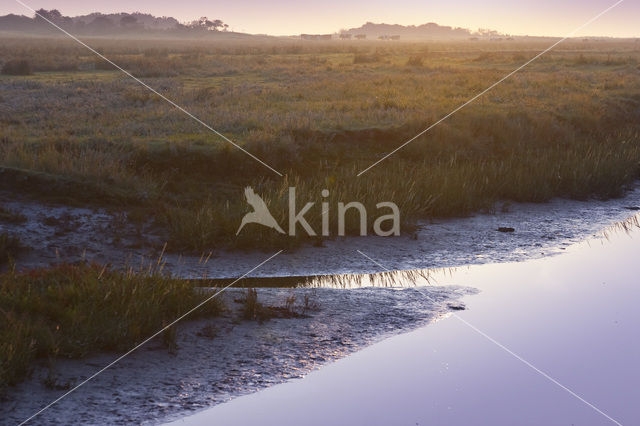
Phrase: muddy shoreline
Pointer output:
(57, 233)
(573, 317)
(221, 358)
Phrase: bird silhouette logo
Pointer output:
(260, 213)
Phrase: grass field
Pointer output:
(76, 130)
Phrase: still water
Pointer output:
(551, 341)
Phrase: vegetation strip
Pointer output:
(329, 115)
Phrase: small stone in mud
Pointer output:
(456, 307)
(506, 229)
(634, 208)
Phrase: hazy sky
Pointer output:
(278, 17)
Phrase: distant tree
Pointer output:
(205, 23)
(52, 15)
(43, 17)
(485, 32)
(101, 24)
(14, 22)
(128, 21)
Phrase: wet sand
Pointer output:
(63, 233)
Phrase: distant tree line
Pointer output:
(117, 23)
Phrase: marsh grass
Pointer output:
(415, 61)
(16, 67)
(71, 311)
(386, 279)
(319, 113)
(626, 226)
(10, 247)
(254, 310)
(448, 186)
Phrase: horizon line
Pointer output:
(472, 32)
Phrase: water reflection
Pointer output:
(385, 279)
(626, 226)
(395, 279)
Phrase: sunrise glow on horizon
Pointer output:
(288, 17)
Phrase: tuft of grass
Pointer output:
(70, 311)
(253, 310)
(415, 61)
(367, 58)
(10, 246)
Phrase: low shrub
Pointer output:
(16, 67)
